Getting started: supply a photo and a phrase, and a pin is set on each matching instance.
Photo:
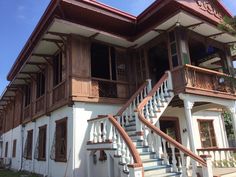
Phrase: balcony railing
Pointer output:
(202, 80)
(59, 92)
(27, 112)
(109, 89)
(39, 104)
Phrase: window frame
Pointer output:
(59, 123)
(27, 95)
(57, 68)
(211, 131)
(41, 85)
(6, 149)
(14, 148)
(42, 151)
(29, 148)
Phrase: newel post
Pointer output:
(149, 86)
(136, 171)
(169, 81)
(207, 170)
(139, 131)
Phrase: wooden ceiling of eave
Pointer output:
(98, 20)
(159, 16)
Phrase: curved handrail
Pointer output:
(170, 140)
(128, 142)
(126, 105)
(152, 92)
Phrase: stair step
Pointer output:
(171, 174)
(131, 128)
(147, 155)
(141, 149)
(157, 170)
(131, 133)
(138, 142)
(152, 162)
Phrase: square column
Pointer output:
(233, 116)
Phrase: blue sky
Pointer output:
(19, 18)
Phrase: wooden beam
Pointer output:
(215, 35)
(159, 30)
(58, 34)
(93, 36)
(194, 25)
(230, 43)
(53, 40)
(133, 46)
(28, 72)
(42, 55)
(35, 63)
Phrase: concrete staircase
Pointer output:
(153, 166)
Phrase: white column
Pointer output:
(233, 116)
(188, 105)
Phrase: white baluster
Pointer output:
(166, 89)
(221, 159)
(145, 92)
(126, 118)
(95, 139)
(104, 130)
(141, 95)
(194, 168)
(99, 132)
(174, 162)
(114, 137)
(91, 132)
(145, 131)
(227, 158)
(162, 93)
(151, 110)
(159, 104)
(166, 158)
(118, 145)
(155, 105)
(184, 168)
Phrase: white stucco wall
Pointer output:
(204, 114)
(82, 113)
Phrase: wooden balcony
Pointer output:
(39, 105)
(27, 113)
(59, 92)
(201, 81)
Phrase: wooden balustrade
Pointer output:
(109, 88)
(27, 112)
(59, 92)
(221, 157)
(188, 77)
(107, 129)
(39, 104)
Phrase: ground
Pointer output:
(7, 173)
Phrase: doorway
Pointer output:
(158, 61)
(170, 126)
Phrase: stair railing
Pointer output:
(158, 140)
(107, 129)
(127, 110)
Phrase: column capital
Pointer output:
(188, 104)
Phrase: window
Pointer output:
(14, 149)
(61, 140)
(173, 49)
(42, 142)
(40, 89)
(27, 95)
(29, 144)
(207, 133)
(57, 69)
(6, 149)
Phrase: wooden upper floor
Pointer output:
(70, 62)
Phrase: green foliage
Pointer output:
(228, 124)
(229, 25)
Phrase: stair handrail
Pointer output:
(152, 92)
(171, 140)
(128, 142)
(137, 162)
(132, 98)
(157, 130)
